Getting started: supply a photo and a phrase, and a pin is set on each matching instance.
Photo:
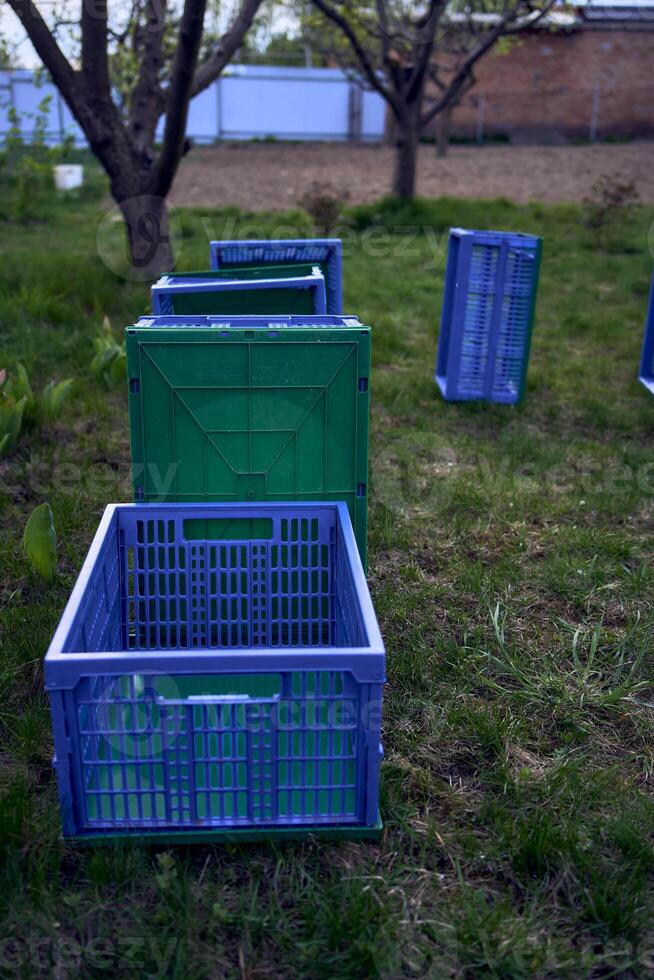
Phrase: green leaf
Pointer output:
(54, 395)
(4, 443)
(21, 384)
(103, 360)
(118, 370)
(40, 542)
(11, 420)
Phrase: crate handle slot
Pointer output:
(218, 698)
(228, 529)
(226, 699)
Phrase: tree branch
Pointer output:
(179, 94)
(48, 51)
(229, 43)
(95, 57)
(425, 47)
(362, 55)
(507, 25)
(148, 101)
(383, 30)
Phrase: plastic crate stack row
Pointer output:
(218, 671)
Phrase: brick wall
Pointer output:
(559, 86)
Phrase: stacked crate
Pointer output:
(218, 671)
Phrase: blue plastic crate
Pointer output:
(218, 670)
(277, 295)
(327, 252)
(491, 281)
(647, 357)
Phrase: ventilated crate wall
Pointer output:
(153, 760)
(488, 306)
(647, 357)
(161, 745)
(325, 252)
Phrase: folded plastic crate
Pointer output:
(219, 292)
(218, 672)
(327, 253)
(647, 356)
(251, 408)
(491, 282)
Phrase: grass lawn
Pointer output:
(511, 568)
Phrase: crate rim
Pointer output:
(219, 243)
(517, 239)
(313, 283)
(170, 282)
(365, 663)
(244, 321)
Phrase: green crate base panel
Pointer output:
(246, 415)
(247, 835)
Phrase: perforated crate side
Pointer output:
(327, 252)
(647, 357)
(191, 728)
(488, 311)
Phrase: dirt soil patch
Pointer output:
(274, 176)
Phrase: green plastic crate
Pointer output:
(188, 299)
(225, 413)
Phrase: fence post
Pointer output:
(443, 125)
(594, 112)
(219, 109)
(481, 108)
(355, 112)
(60, 113)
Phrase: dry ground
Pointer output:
(273, 176)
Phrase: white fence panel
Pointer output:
(247, 102)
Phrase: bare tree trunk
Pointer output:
(148, 235)
(406, 155)
(140, 177)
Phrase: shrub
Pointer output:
(324, 204)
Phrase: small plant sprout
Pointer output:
(40, 542)
(12, 409)
(53, 397)
(109, 363)
(37, 408)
